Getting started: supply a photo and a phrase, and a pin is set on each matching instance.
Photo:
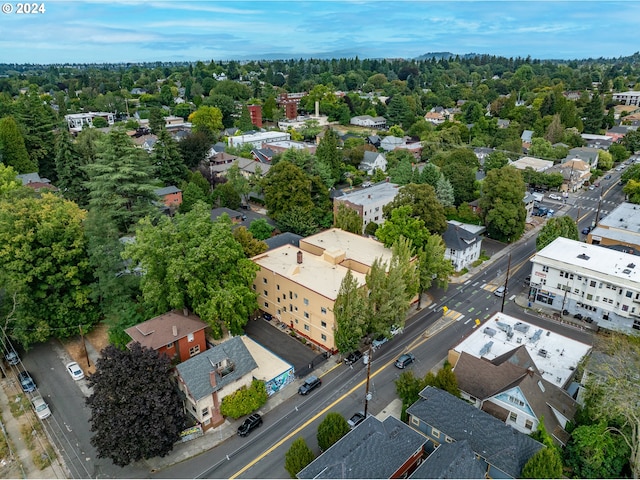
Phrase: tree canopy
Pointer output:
(501, 204)
(136, 409)
(556, 227)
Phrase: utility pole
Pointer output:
(506, 283)
(598, 212)
(367, 395)
(84, 345)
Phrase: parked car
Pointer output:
(356, 419)
(586, 230)
(366, 184)
(396, 330)
(252, 421)
(379, 341)
(555, 196)
(404, 360)
(353, 357)
(578, 316)
(41, 407)
(309, 384)
(12, 358)
(607, 177)
(267, 316)
(500, 291)
(26, 382)
(75, 371)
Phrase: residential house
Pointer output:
(138, 91)
(390, 143)
(36, 182)
(526, 138)
(451, 460)
(209, 377)
(374, 140)
(146, 142)
(529, 203)
(368, 202)
(618, 132)
(372, 161)
(600, 283)
(620, 229)
(601, 142)
(299, 286)
(438, 115)
(444, 418)
(482, 153)
(171, 196)
(588, 155)
(369, 122)
(374, 449)
(503, 123)
(575, 174)
(463, 246)
(511, 388)
(235, 216)
(76, 121)
(263, 155)
(178, 334)
(247, 167)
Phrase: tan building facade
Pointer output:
(299, 286)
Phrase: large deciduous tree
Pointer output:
(286, 186)
(432, 266)
(424, 205)
(136, 410)
(207, 120)
(120, 181)
(402, 223)
(501, 204)
(595, 451)
(331, 429)
(190, 261)
(348, 219)
(556, 227)
(462, 179)
(297, 457)
(44, 262)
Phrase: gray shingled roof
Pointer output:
(458, 238)
(161, 192)
(451, 460)
(283, 239)
(373, 449)
(499, 444)
(195, 372)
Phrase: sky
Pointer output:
(114, 31)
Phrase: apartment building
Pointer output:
(368, 202)
(596, 282)
(299, 285)
(627, 98)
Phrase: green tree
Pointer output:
(44, 263)
(348, 311)
(239, 182)
(328, 153)
(348, 219)
(596, 451)
(250, 245)
(72, 177)
(9, 182)
(444, 193)
(545, 463)
(190, 261)
(501, 204)
(136, 410)
(156, 120)
(430, 174)
(207, 120)
(462, 180)
(297, 457)
(495, 160)
(121, 181)
(605, 160)
(167, 159)
(244, 122)
(191, 194)
(331, 429)
(224, 195)
(13, 152)
(261, 229)
(618, 153)
(402, 223)
(632, 190)
(286, 186)
(298, 220)
(424, 205)
(594, 114)
(432, 266)
(556, 227)
(194, 149)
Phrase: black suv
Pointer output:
(251, 422)
(309, 384)
(353, 357)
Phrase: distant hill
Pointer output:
(444, 55)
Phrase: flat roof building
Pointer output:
(619, 229)
(368, 202)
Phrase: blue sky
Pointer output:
(181, 30)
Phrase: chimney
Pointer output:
(299, 256)
(317, 108)
(185, 311)
(212, 378)
(174, 329)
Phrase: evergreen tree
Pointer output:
(331, 429)
(244, 122)
(328, 153)
(167, 159)
(13, 152)
(445, 193)
(72, 177)
(594, 115)
(348, 219)
(120, 181)
(349, 311)
(297, 457)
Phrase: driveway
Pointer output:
(280, 343)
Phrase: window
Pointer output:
(323, 310)
(264, 280)
(528, 424)
(205, 412)
(545, 269)
(295, 295)
(306, 314)
(194, 350)
(306, 327)
(453, 252)
(266, 294)
(278, 299)
(628, 294)
(277, 287)
(415, 420)
(170, 345)
(290, 294)
(266, 304)
(323, 337)
(190, 338)
(589, 296)
(305, 301)
(513, 417)
(324, 324)
(253, 286)
(435, 433)
(448, 439)
(592, 283)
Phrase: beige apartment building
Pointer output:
(299, 285)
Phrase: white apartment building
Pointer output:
(368, 202)
(257, 139)
(76, 121)
(595, 281)
(627, 98)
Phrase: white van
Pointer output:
(500, 291)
